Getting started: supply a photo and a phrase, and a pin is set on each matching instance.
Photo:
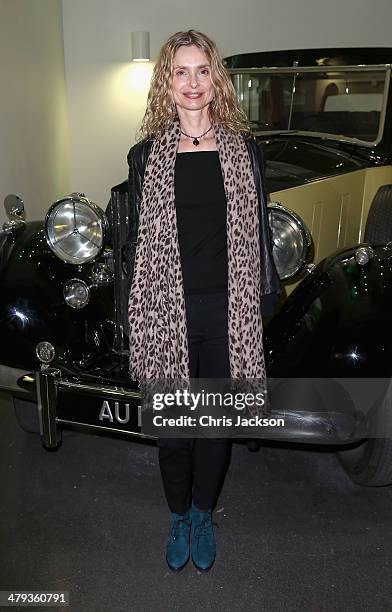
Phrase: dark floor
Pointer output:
(294, 533)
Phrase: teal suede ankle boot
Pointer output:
(177, 547)
(203, 541)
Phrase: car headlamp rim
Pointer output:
(306, 236)
(76, 198)
(296, 217)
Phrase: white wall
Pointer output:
(33, 119)
(104, 109)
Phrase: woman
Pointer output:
(202, 264)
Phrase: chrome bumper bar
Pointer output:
(300, 426)
(48, 384)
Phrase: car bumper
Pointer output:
(117, 409)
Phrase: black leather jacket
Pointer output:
(137, 160)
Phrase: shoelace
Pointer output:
(203, 529)
(179, 527)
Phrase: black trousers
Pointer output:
(199, 463)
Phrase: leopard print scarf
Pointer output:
(157, 316)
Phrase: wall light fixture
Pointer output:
(140, 46)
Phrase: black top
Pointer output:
(201, 221)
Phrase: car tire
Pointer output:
(369, 462)
(26, 413)
(378, 228)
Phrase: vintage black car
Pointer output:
(324, 120)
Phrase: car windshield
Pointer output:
(344, 103)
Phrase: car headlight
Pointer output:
(76, 293)
(291, 241)
(75, 229)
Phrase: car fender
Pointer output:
(337, 322)
(33, 308)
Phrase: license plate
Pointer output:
(98, 411)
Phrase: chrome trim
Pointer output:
(11, 226)
(323, 68)
(384, 105)
(47, 347)
(326, 135)
(309, 268)
(102, 427)
(81, 198)
(67, 297)
(110, 391)
(46, 381)
(118, 341)
(101, 274)
(307, 236)
(120, 228)
(295, 64)
(14, 207)
(15, 211)
(363, 255)
(49, 383)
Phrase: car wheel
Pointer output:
(27, 414)
(369, 463)
(378, 228)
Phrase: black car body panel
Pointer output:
(337, 323)
(33, 309)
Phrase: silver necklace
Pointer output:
(196, 139)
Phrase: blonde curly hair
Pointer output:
(223, 109)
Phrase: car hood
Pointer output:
(291, 162)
